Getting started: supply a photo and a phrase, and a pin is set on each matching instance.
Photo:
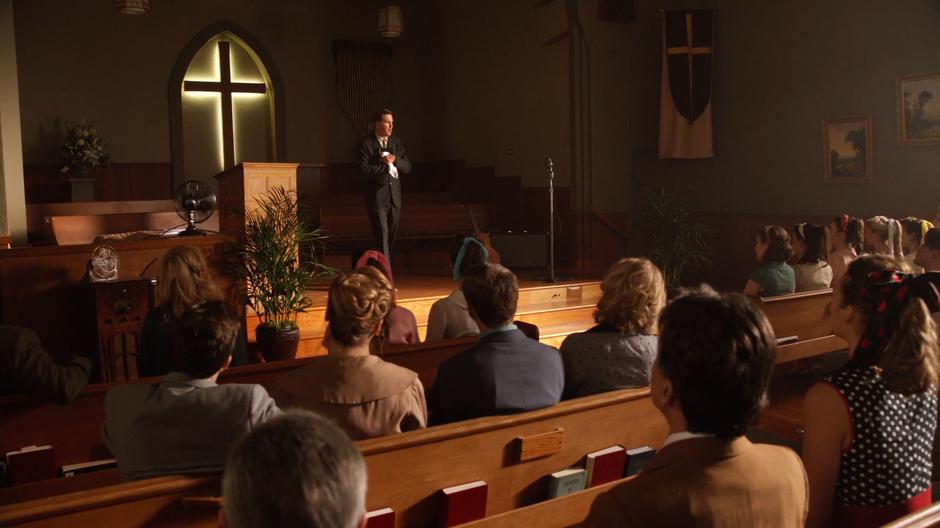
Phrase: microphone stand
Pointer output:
(551, 278)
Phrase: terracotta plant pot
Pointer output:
(277, 344)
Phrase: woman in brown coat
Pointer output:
(365, 395)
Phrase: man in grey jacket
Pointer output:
(187, 422)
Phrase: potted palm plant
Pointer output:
(277, 280)
(679, 242)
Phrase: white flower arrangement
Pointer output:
(82, 149)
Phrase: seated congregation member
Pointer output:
(186, 423)
(883, 236)
(296, 470)
(869, 427)
(183, 281)
(617, 353)
(449, 317)
(25, 366)
(774, 276)
(846, 234)
(365, 395)
(716, 356)
(810, 247)
(400, 327)
(504, 372)
(928, 254)
(914, 231)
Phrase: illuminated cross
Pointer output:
(226, 87)
(689, 50)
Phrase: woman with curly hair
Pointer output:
(774, 276)
(869, 426)
(366, 396)
(619, 352)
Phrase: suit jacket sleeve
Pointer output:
(372, 167)
(606, 512)
(417, 415)
(263, 407)
(453, 385)
(402, 163)
(34, 370)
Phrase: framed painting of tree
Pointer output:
(847, 152)
(919, 109)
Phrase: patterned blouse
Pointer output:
(889, 460)
(604, 359)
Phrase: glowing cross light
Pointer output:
(226, 88)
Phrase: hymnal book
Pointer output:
(464, 503)
(87, 467)
(32, 464)
(566, 481)
(638, 458)
(383, 518)
(605, 465)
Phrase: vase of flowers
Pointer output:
(82, 150)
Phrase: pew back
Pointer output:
(406, 471)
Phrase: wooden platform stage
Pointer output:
(558, 309)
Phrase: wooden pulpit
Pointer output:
(240, 186)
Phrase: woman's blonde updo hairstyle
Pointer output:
(634, 293)
(184, 280)
(358, 302)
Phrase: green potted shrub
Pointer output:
(277, 279)
(679, 242)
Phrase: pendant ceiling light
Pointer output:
(390, 21)
(132, 7)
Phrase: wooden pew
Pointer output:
(563, 512)
(75, 429)
(803, 315)
(406, 471)
(928, 517)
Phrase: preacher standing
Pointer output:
(383, 161)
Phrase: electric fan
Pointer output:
(194, 202)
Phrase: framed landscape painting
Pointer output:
(919, 109)
(847, 155)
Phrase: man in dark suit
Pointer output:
(383, 161)
(709, 381)
(505, 372)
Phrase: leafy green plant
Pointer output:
(276, 279)
(679, 242)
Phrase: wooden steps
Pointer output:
(557, 309)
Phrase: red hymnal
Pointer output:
(464, 503)
(605, 465)
(384, 518)
(31, 464)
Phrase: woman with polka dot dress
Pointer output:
(870, 425)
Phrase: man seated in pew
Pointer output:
(619, 352)
(870, 425)
(296, 470)
(505, 372)
(710, 379)
(400, 326)
(186, 423)
(363, 394)
(25, 366)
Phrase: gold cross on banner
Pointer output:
(689, 50)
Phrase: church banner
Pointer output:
(685, 103)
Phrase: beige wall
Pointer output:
(782, 68)
(12, 194)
